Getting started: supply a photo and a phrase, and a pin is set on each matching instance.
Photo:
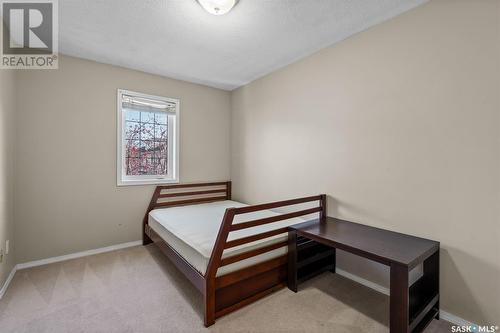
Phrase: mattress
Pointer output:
(192, 232)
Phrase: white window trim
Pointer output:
(120, 147)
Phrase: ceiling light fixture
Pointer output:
(217, 7)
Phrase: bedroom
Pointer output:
(390, 108)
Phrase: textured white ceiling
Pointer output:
(178, 39)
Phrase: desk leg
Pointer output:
(399, 317)
(431, 272)
(292, 261)
(334, 264)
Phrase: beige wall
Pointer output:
(7, 117)
(66, 198)
(400, 126)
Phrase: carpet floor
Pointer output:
(139, 290)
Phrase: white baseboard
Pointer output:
(63, 258)
(7, 282)
(455, 320)
(364, 282)
(77, 255)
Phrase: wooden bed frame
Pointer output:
(229, 292)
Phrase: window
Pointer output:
(148, 139)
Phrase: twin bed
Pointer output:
(233, 253)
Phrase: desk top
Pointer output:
(384, 246)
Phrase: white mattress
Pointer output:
(192, 232)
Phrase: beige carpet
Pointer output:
(138, 290)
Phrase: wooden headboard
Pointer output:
(186, 194)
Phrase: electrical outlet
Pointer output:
(7, 246)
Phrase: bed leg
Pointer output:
(209, 303)
(146, 240)
(145, 237)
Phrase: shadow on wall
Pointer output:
(335, 206)
(466, 303)
(359, 266)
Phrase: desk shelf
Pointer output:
(313, 258)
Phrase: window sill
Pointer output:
(146, 182)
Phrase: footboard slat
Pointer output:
(252, 253)
(253, 238)
(273, 219)
(277, 204)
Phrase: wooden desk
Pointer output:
(413, 307)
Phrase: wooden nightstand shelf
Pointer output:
(313, 258)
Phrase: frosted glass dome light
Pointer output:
(217, 7)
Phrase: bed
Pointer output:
(233, 253)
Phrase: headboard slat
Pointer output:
(191, 193)
(189, 201)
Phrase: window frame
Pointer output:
(173, 157)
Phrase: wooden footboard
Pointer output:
(232, 291)
(229, 292)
